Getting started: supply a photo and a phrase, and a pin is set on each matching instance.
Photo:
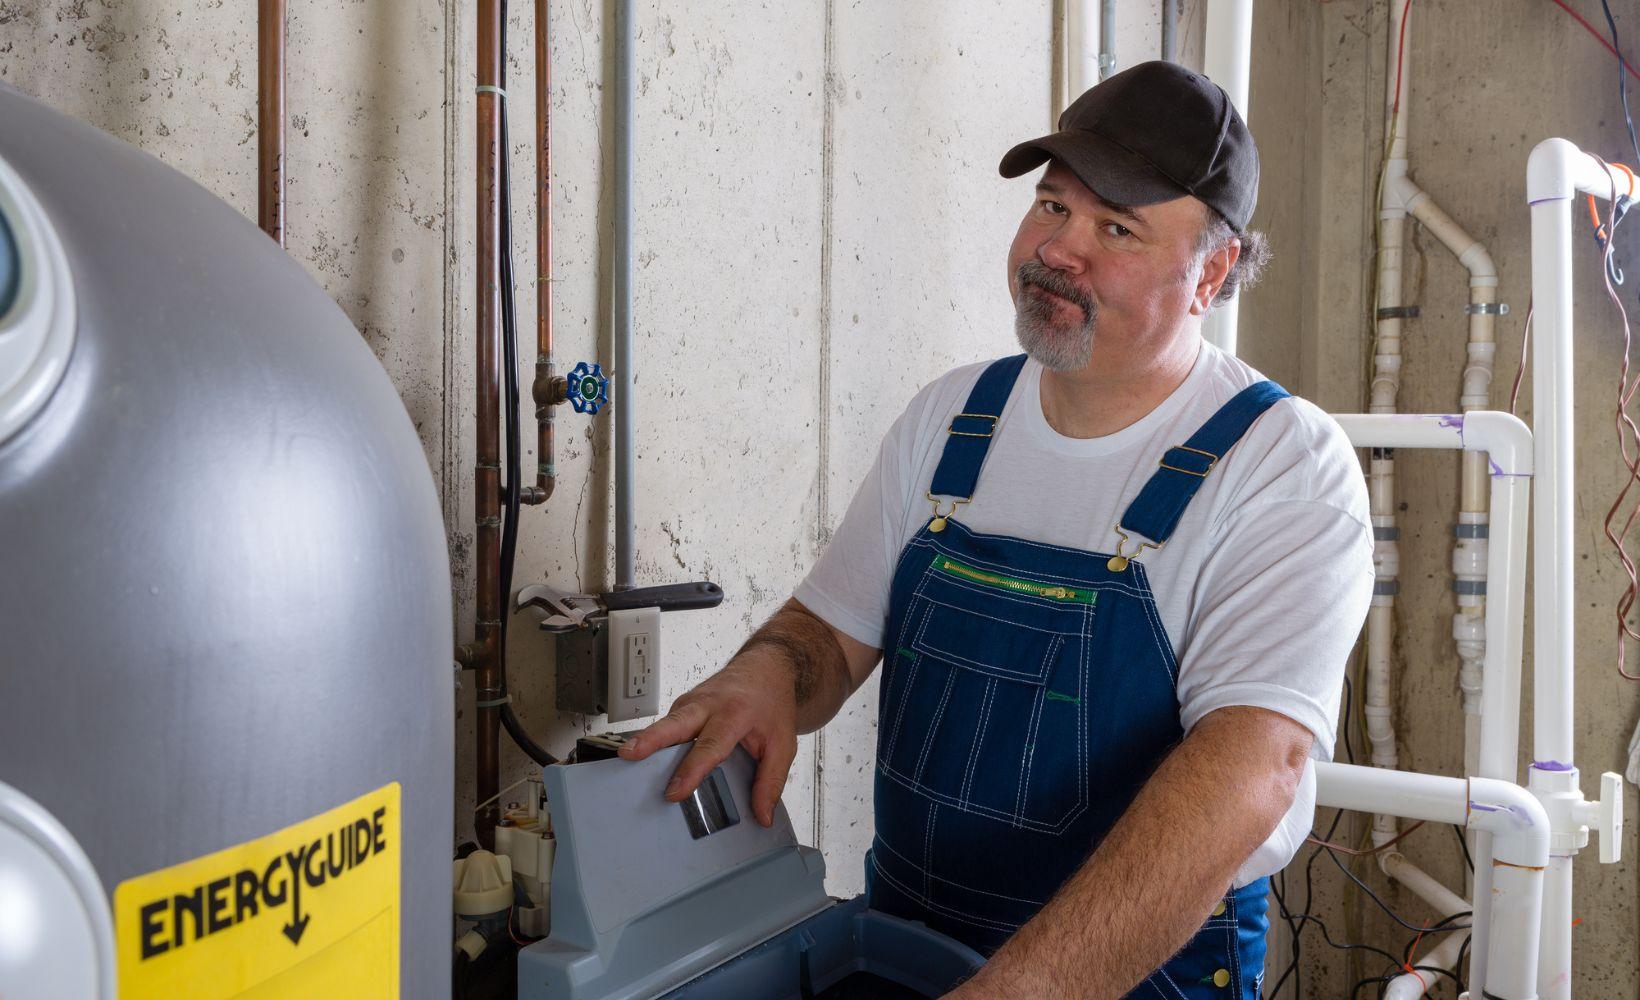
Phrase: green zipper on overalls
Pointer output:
(1050, 591)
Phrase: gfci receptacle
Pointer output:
(634, 663)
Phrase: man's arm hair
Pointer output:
(826, 665)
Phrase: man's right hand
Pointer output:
(791, 676)
(751, 702)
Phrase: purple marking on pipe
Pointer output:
(1520, 814)
(1497, 470)
(1451, 420)
(1545, 201)
(1551, 765)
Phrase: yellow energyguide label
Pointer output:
(310, 910)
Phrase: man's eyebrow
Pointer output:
(1125, 211)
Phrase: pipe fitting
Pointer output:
(1505, 439)
(1516, 818)
(548, 389)
(1557, 787)
(1556, 170)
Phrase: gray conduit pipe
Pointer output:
(621, 309)
(1107, 38)
(1170, 25)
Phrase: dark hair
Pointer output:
(1249, 266)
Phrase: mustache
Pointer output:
(1034, 272)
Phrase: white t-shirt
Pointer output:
(1262, 589)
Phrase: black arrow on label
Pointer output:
(298, 922)
(294, 929)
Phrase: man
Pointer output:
(1114, 584)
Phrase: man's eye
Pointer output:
(1052, 207)
(1117, 229)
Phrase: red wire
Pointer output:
(1400, 50)
(1597, 37)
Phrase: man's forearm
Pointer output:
(1153, 880)
(794, 639)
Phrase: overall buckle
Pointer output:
(1212, 460)
(938, 523)
(1120, 560)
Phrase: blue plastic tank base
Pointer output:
(846, 951)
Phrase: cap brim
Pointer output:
(1115, 174)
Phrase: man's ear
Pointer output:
(1215, 268)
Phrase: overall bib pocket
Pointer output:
(987, 700)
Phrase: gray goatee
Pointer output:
(1054, 343)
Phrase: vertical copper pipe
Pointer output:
(546, 475)
(487, 474)
(270, 118)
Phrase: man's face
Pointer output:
(1083, 270)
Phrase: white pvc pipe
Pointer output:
(1429, 797)
(1555, 952)
(1508, 447)
(1555, 173)
(1228, 59)
(1081, 48)
(1397, 81)
(1469, 548)
(1228, 62)
(1383, 392)
(1423, 885)
(1519, 829)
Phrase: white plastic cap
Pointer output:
(483, 884)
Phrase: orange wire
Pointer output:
(1413, 954)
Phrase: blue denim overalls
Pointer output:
(1027, 694)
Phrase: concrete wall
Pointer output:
(1486, 83)
(820, 230)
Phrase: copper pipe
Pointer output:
(270, 118)
(487, 474)
(548, 390)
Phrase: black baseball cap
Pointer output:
(1152, 133)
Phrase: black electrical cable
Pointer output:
(1326, 935)
(1434, 929)
(511, 488)
(1622, 78)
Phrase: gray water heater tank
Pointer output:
(225, 621)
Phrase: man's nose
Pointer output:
(1061, 255)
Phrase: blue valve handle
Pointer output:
(587, 388)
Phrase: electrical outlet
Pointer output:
(638, 675)
(634, 663)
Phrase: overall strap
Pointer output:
(969, 436)
(1155, 512)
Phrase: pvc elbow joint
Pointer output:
(1504, 438)
(1516, 819)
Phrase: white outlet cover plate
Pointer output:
(623, 624)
